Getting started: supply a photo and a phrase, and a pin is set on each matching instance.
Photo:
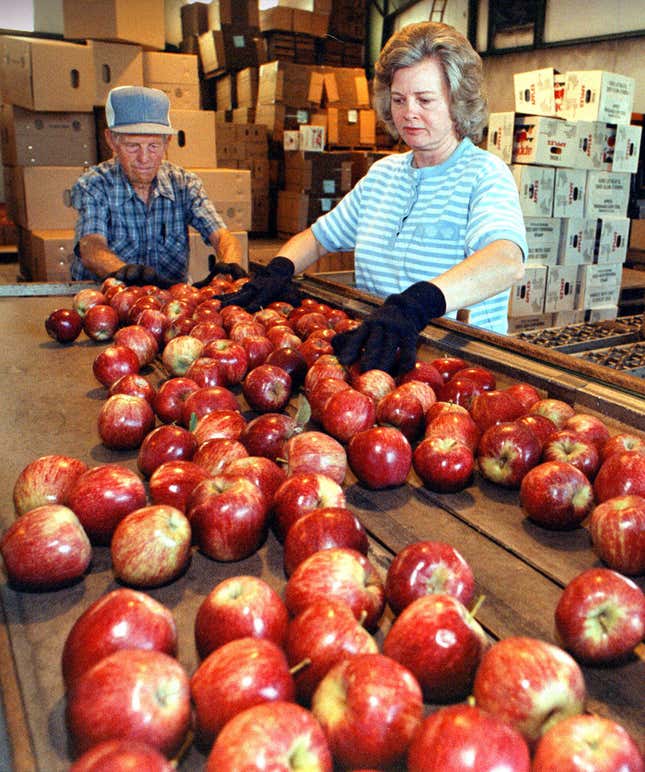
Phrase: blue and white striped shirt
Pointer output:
(407, 224)
(155, 233)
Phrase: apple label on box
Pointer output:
(500, 135)
(543, 239)
(607, 194)
(577, 241)
(569, 192)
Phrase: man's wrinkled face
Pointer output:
(140, 155)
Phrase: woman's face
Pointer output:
(420, 107)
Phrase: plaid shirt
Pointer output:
(155, 234)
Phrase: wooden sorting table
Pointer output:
(50, 402)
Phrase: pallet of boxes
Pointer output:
(53, 123)
(572, 151)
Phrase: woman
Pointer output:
(435, 229)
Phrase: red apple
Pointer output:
(369, 707)
(313, 348)
(206, 371)
(131, 694)
(85, 298)
(421, 390)
(279, 733)
(283, 336)
(170, 397)
(291, 360)
(588, 427)
(347, 412)
(506, 452)
(402, 410)
(621, 442)
(46, 480)
(529, 683)
(445, 464)
(180, 352)
(324, 632)
(315, 452)
(266, 434)
(100, 322)
(64, 325)
(494, 407)
(45, 548)
(447, 365)
(261, 471)
(455, 423)
(243, 329)
(228, 518)
(322, 528)
(258, 348)
(322, 390)
(113, 362)
(216, 454)
(123, 618)
(620, 474)
(134, 384)
(556, 495)
(600, 616)
(541, 426)
(231, 357)
(340, 573)
(441, 642)
(235, 676)
(452, 734)
(172, 482)
(556, 410)
(156, 322)
(460, 390)
(167, 442)
(617, 529)
(301, 493)
(587, 742)
(267, 388)
(241, 606)
(524, 393)
(151, 546)
(427, 568)
(104, 495)
(375, 383)
(568, 445)
(380, 457)
(482, 376)
(426, 372)
(124, 421)
(208, 331)
(140, 340)
(122, 756)
(326, 366)
(123, 301)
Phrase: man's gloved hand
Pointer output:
(393, 328)
(140, 275)
(219, 268)
(269, 283)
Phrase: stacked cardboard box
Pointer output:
(572, 151)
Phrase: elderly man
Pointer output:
(134, 210)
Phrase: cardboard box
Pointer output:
(230, 192)
(569, 192)
(50, 75)
(32, 138)
(348, 127)
(599, 285)
(501, 130)
(597, 95)
(276, 19)
(607, 146)
(225, 96)
(311, 138)
(182, 96)
(601, 314)
(199, 252)
(303, 5)
(535, 188)
(115, 64)
(543, 239)
(279, 118)
(246, 86)
(577, 241)
(527, 297)
(119, 21)
(240, 13)
(323, 174)
(39, 197)
(547, 141)
(52, 253)
(194, 19)
(612, 238)
(281, 82)
(561, 288)
(310, 23)
(194, 144)
(160, 67)
(565, 318)
(607, 194)
(517, 324)
(230, 49)
(539, 92)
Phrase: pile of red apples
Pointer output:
(247, 427)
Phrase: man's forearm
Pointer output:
(226, 246)
(97, 257)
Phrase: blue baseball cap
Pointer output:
(138, 110)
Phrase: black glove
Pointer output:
(140, 275)
(233, 269)
(269, 283)
(392, 328)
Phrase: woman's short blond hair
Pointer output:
(461, 64)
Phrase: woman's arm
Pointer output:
(485, 273)
(303, 249)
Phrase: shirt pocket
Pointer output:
(431, 248)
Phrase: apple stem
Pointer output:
(188, 741)
(477, 605)
(300, 666)
(362, 617)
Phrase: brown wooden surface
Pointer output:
(50, 401)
